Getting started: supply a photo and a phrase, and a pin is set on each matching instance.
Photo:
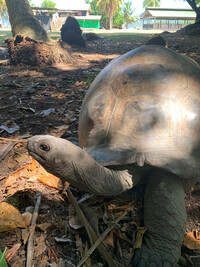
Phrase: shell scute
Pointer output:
(146, 102)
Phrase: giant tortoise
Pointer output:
(140, 118)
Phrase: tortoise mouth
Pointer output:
(37, 157)
(33, 151)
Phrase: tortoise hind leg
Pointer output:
(165, 220)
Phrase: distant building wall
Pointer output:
(173, 26)
(57, 22)
(167, 18)
(45, 22)
(53, 18)
(89, 24)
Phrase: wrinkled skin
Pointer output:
(164, 212)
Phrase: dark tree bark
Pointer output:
(31, 45)
(194, 6)
(23, 21)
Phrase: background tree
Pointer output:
(118, 18)
(48, 3)
(2, 9)
(23, 22)
(128, 14)
(151, 3)
(98, 9)
(111, 6)
(29, 51)
(195, 5)
(95, 10)
(32, 3)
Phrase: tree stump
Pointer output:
(71, 32)
(26, 51)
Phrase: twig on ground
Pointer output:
(102, 237)
(93, 236)
(6, 149)
(14, 140)
(18, 85)
(30, 245)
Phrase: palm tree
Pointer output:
(111, 6)
(2, 8)
(151, 3)
(128, 14)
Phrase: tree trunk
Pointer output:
(31, 45)
(110, 16)
(194, 6)
(198, 16)
(23, 21)
(1, 18)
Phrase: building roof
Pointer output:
(73, 5)
(89, 17)
(168, 13)
(44, 8)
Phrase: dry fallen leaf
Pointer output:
(10, 165)
(40, 247)
(74, 222)
(139, 237)
(32, 166)
(25, 235)
(49, 179)
(25, 171)
(10, 217)
(11, 251)
(44, 226)
(109, 240)
(192, 240)
(5, 149)
(21, 158)
(11, 179)
(27, 217)
(79, 244)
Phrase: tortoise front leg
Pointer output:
(165, 220)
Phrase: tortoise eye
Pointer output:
(44, 147)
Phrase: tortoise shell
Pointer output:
(144, 107)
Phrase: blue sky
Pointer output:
(137, 4)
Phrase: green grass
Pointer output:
(4, 34)
(113, 35)
(127, 37)
(54, 35)
(131, 35)
(116, 35)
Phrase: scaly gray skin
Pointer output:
(164, 207)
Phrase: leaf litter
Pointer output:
(48, 101)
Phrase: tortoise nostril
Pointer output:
(44, 147)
